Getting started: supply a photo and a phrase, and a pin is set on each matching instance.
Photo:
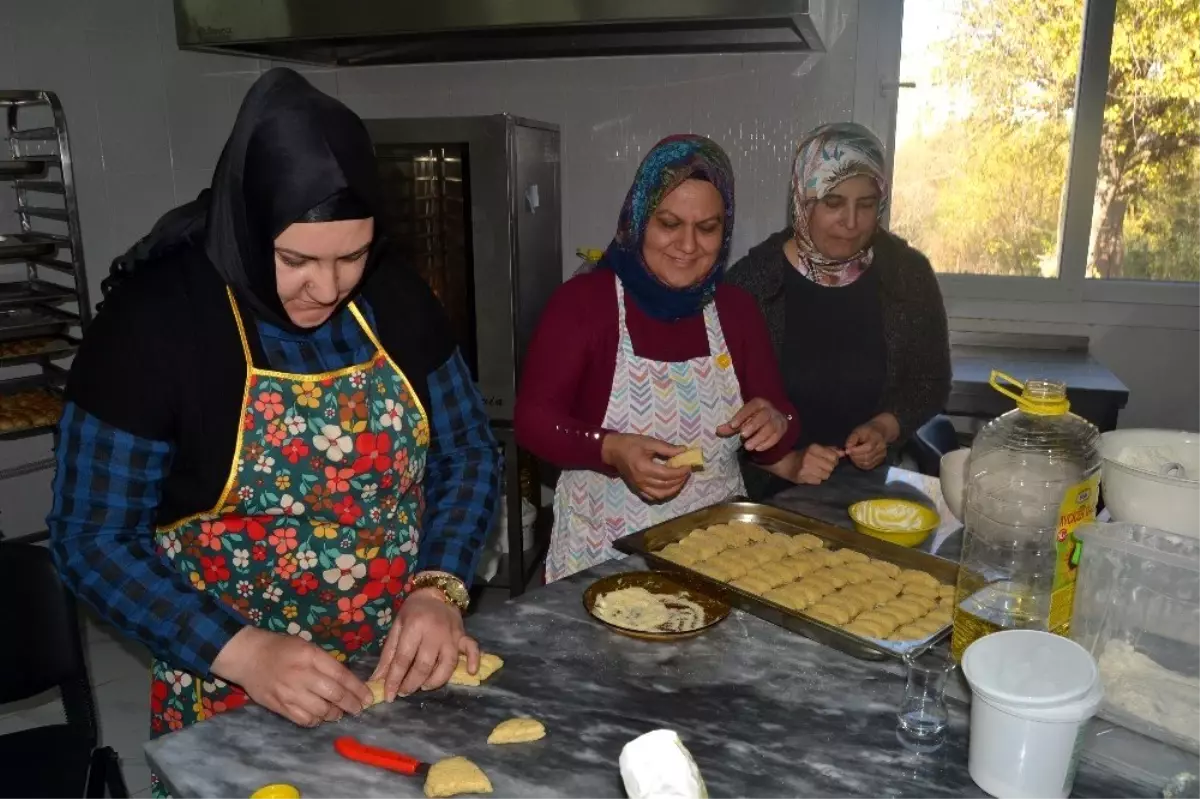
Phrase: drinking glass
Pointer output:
(923, 717)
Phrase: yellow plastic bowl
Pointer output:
(898, 521)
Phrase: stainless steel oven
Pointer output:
(474, 203)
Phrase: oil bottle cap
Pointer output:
(278, 790)
(591, 256)
(1037, 397)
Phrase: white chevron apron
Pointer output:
(681, 403)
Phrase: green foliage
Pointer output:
(983, 192)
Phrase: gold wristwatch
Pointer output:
(452, 588)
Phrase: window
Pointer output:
(1146, 216)
(999, 104)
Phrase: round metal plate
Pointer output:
(715, 610)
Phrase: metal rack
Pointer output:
(44, 307)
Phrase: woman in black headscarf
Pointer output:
(272, 451)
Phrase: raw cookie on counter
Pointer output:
(517, 731)
(454, 776)
(489, 664)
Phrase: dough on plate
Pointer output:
(455, 775)
(489, 664)
(517, 731)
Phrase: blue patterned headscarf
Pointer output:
(668, 164)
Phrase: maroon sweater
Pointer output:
(568, 371)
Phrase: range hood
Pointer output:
(363, 32)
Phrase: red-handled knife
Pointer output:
(351, 749)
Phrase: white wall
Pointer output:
(147, 123)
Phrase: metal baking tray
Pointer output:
(649, 541)
(23, 168)
(24, 293)
(34, 322)
(50, 382)
(24, 246)
(52, 348)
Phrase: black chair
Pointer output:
(43, 649)
(933, 440)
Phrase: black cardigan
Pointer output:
(914, 322)
(163, 361)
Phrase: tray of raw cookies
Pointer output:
(866, 597)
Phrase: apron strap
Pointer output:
(714, 331)
(626, 343)
(366, 328)
(248, 348)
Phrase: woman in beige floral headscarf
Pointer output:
(854, 312)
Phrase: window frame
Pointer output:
(877, 90)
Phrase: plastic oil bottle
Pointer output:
(1034, 476)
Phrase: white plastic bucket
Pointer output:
(1025, 743)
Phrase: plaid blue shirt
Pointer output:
(107, 488)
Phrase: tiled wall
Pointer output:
(147, 123)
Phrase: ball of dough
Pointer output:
(455, 775)
(517, 731)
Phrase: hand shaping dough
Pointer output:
(377, 691)
(455, 775)
(517, 731)
(489, 664)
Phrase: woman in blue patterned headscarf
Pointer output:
(855, 314)
(647, 358)
(673, 161)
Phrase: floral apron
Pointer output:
(317, 530)
(678, 402)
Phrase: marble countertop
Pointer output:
(765, 712)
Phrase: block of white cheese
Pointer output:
(658, 766)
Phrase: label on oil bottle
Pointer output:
(1078, 507)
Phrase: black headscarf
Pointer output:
(292, 148)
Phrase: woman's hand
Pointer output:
(817, 463)
(868, 443)
(422, 648)
(759, 423)
(290, 676)
(636, 459)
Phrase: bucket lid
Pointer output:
(1029, 668)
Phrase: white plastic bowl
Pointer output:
(953, 475)
(1137, 486)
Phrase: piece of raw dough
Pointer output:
(921, 589)
(377, 691)
(455, 775)
(489, 664)
(517, 731)
(692, 458)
